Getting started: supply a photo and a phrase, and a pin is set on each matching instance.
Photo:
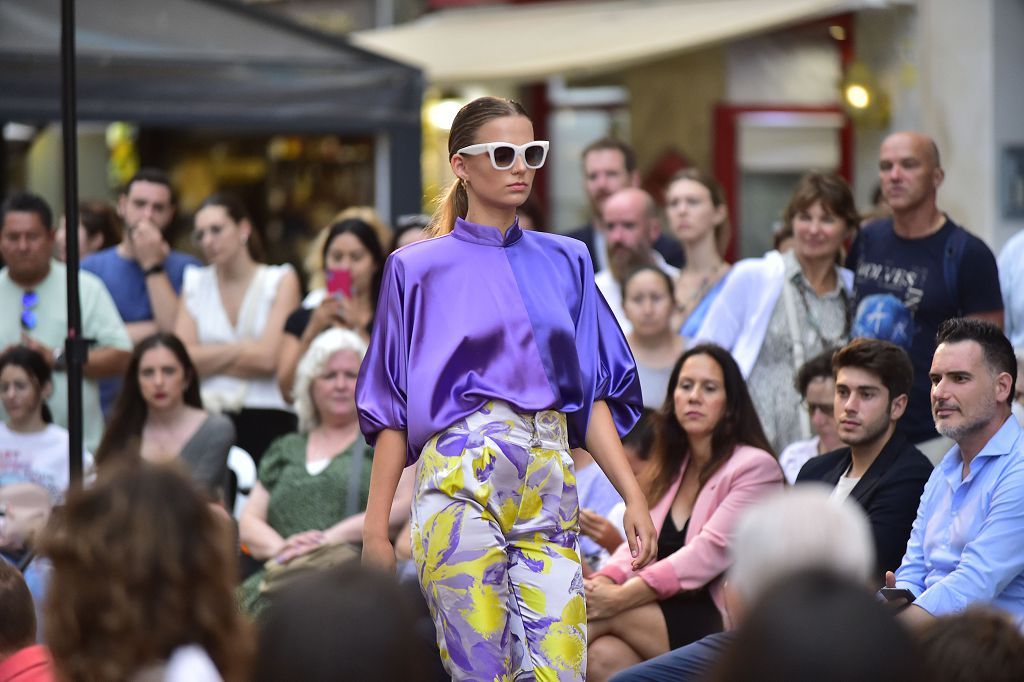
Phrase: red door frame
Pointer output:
(726, 168)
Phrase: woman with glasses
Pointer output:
(351, 261)
(492, 354)
(159, 416)
(776, 312)
(710, 461)
(231, 319)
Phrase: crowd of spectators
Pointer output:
(869, 366)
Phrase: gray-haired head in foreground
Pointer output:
(312, 365)
(798, 529)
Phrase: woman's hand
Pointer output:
(603, 599)
(356, 312)
(299, 544)
(378, 553)
(640, 533)
(325, 316)
(600, 530)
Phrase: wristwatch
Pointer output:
(60, 362)
(154, 270)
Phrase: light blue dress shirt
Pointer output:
(967, 543)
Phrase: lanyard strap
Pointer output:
(799, 352)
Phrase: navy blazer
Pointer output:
(889, 491)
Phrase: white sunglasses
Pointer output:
(503, 154)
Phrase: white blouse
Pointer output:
(201, 297)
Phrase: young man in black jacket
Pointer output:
(880, 468)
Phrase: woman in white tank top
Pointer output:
(232, 320)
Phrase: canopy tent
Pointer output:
(216, 64)
(529, 43)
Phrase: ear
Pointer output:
(246, 228)
(459, 167)
(898, 407)
(938, 175)
(654, 229)
(46, 391)
(721, 214)
(122, 203)
(1004, 383)
(634, 179)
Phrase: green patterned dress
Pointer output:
(300, 501)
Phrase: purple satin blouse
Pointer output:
(475, 316)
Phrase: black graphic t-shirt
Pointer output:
(902, 294)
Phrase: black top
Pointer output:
(671, 539)
(889, 491)
(297, 322)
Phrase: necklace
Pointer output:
(686, 304)
(812, 319)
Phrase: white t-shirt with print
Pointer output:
(40, 458)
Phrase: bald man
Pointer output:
(916, 269)
(630, 225)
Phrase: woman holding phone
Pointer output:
(352, 260)
(492, 354)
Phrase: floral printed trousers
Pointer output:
(495, 536)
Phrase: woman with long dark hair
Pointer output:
(159, 415)
(231, 320)
(352, 253)
(710, 460)
(492, 354)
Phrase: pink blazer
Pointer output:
(749, 474)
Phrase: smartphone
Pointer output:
(339, 282)
(897, 593)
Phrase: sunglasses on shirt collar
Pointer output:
(29, 318)
(503, 154)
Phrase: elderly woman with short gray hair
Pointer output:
(313, 484)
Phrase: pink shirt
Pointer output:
(31, 664)
(749, 474)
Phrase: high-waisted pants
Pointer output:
(495, 537)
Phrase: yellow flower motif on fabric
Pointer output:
(534, 598)
(452, 483)
(563, 645)
(487, 614)
(532, 503)
(507, 514)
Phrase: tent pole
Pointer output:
(75, 348)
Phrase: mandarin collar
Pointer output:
(486, 235)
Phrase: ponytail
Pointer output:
(454, 204)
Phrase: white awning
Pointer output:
(531, 42)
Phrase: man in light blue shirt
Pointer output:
(967, 543)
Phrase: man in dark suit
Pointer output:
(880, 469)
(608, 166)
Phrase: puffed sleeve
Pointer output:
(605, 356)
(381, 391)
(276, 458)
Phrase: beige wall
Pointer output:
(45, 163)
(672, 103)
